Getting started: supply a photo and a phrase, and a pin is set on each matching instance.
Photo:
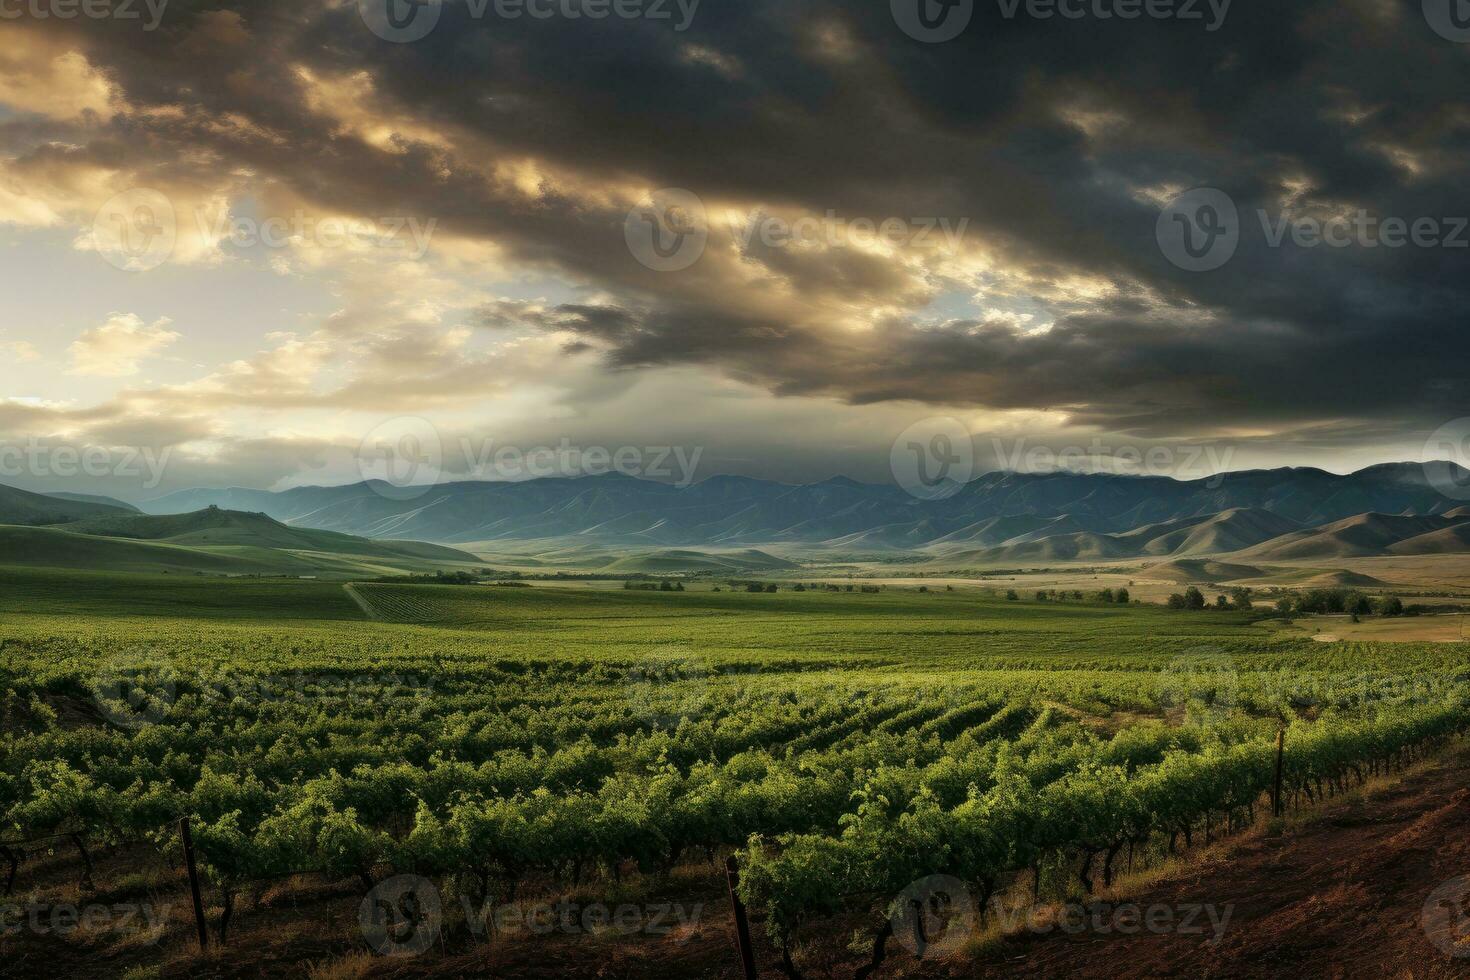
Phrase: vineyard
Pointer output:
(843, 746)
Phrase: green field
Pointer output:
(505, 740)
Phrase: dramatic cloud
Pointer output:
(881, 225)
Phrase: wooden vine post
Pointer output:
(188, 840)
(742, 924)
(1276, 805)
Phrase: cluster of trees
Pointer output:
(1119, 595)
(1324, 601)
(1348, 601)
(434, 578)
(1192, 598)
(663, 586)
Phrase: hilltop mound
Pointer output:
(676, 560)
(1342, 578)
(1202, 570)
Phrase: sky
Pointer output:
(276, 243)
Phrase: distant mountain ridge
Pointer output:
(1093, 515)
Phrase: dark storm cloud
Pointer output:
(1047, 136)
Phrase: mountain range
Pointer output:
(620, 522)
(1000, 515)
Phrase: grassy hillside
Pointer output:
(220, 543)
(215, 527)
(24, 507)
(91, 498)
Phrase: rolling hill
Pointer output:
(1361, 535)
(215, 527)
(214, 541)
(1203, 570)
(26, 508)
(674, 560)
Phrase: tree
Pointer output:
(1011, 595)
(1390, 605)
(1194, 598)
(1122, 597)
(1358, 604)
(771, 587)
(1040, 595)
(1177, 601)
(1286, 605)
(1106, 595)
(1222, 602)
(1240, 598)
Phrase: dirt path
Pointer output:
(1343, 896)
(362, 603)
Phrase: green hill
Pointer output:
(214, 527)
(24, 507)
(216, 542)
(92, 498)
(675, 560)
